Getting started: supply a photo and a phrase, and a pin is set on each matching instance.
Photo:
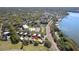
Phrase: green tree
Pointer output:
(47, 44)
(14, 36)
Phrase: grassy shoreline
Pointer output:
(64, 43)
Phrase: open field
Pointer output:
(7, 46)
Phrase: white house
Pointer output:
(37, 29)
(25, 26)
(5, 33)
(32, 29)
(21, 38)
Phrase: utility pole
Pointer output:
(1, 24)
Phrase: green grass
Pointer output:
(7, 46)
(43, 30)
(34, 48)
(67, 42)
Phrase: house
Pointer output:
(6, 35)
(39, 35)
(26, 38)
(32, 29)
(35, 36)
(43, 20)
(37, 29)
(24, 34)
(25, 26)
(41, 41)
(4, 27)
(29, 34)
(20, 33)
(21, 38)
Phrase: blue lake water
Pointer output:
(70, 26)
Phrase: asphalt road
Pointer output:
(50, 38)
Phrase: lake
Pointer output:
(70, 26)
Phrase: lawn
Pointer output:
(43, 30)
(7, 46)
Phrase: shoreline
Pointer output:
(60, 20)
(73, 44)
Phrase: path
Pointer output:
(50, 38)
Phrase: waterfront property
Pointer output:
(70, 26)
(38, 29)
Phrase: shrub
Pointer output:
(46, 39)
(56, 29)
(68, 48)
(60, 34)
(1, 39)
(30, 41)
(14, 39)
(66, 44)
(47, 44)
(36, 43)
(25, 42)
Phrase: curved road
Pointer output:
(50, 38)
